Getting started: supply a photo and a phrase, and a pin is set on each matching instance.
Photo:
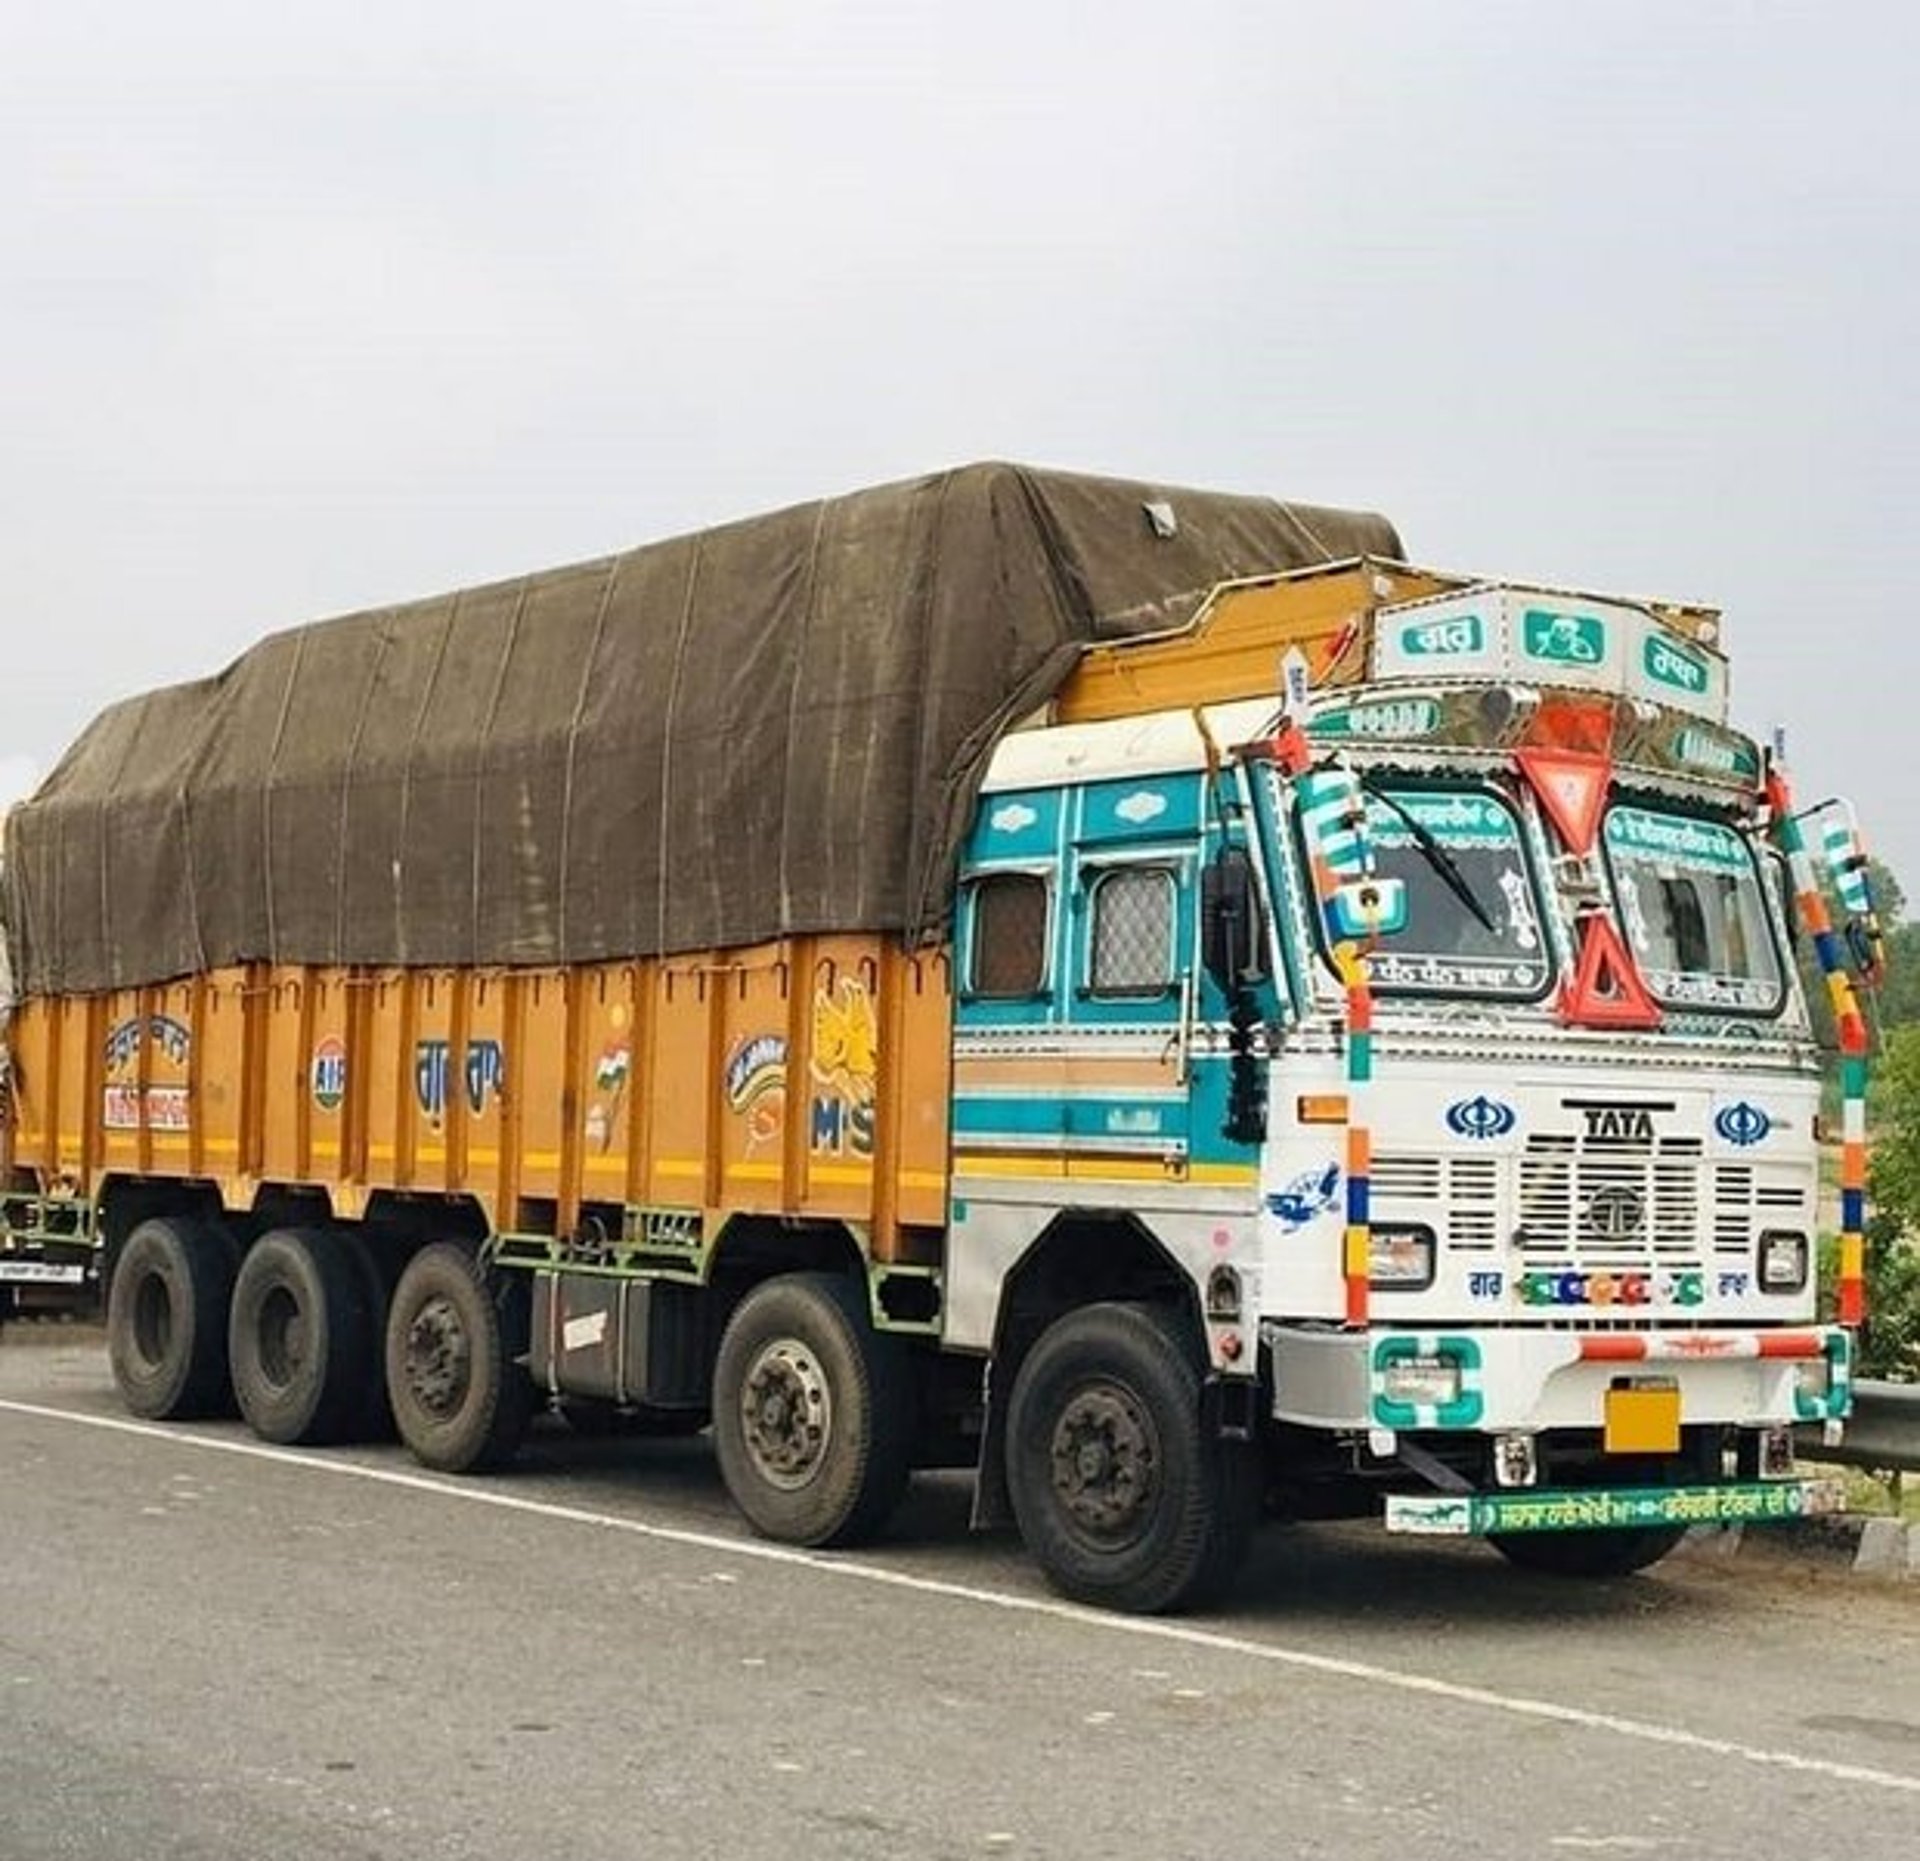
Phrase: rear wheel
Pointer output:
(812, 1412)
(301, 1338)
(167, 1319)
(460, 1401)
(1121, 1494)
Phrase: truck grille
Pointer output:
(1459, 1195)
(1743, 1206)
(1610, 1202)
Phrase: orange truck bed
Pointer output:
(803, 1078)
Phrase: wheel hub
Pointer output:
(152, 1320)
(1105, 1461)
(786, 1413)
(282, 1336)
(439, 1357)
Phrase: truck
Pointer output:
(1143, 994)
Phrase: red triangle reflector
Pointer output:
(1572, 786)
(1606, 990)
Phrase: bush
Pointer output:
(1890, 1338)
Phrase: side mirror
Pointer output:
(1368, 908)
(1229, 920)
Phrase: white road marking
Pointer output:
(1184, 1634)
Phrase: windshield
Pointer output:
(1445, 947)
(1692, 906)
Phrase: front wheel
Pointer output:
(460, 1401)
(1120, 1492)
(811, 1412)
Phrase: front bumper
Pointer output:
(1514, 1381)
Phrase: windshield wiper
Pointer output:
(1437, 856)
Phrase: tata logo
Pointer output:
(1742, 1123)
(1481, 1117)
(1566, 639)
(1441, 639)
(1669, 663)
(1621, 1124)
(1616, 1213)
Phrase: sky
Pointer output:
(307, 308)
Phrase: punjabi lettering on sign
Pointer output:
(483, 1074)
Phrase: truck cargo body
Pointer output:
(1157, 1188)
(748, 1083)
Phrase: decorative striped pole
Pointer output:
(1852, 1029)
(1352, 964)
(1333, 810)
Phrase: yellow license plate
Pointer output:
(1643, 1421)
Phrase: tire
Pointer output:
(812, 1412)
(1597, 1554)
(167, 1319)
(301, 1338)
(1120, 1492)
(459, 1398)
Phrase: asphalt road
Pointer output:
(216, 1651)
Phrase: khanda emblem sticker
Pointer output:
(1481, 1117)
(1742, 1123)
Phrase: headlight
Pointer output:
(1814, 1378)
(1783, 1262)
(1422, 1381)
(1400, 1258)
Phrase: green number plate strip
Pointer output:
(1473, 1515)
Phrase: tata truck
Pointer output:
(1145, 995)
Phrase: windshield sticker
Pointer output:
(1456, 820)
(1521, 924)
(1459, 975)
(1703, 844)
(1692, 989)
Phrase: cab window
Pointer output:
(1008, 956)
(1131, 932)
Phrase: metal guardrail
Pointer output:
(1883, 1433)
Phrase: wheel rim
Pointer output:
(1105, 1460)
(152, 1319)
(439, 1358)
(281, 1331)
(786, 1413)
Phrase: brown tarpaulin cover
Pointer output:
(775, 726)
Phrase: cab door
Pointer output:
(1126, 1073)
